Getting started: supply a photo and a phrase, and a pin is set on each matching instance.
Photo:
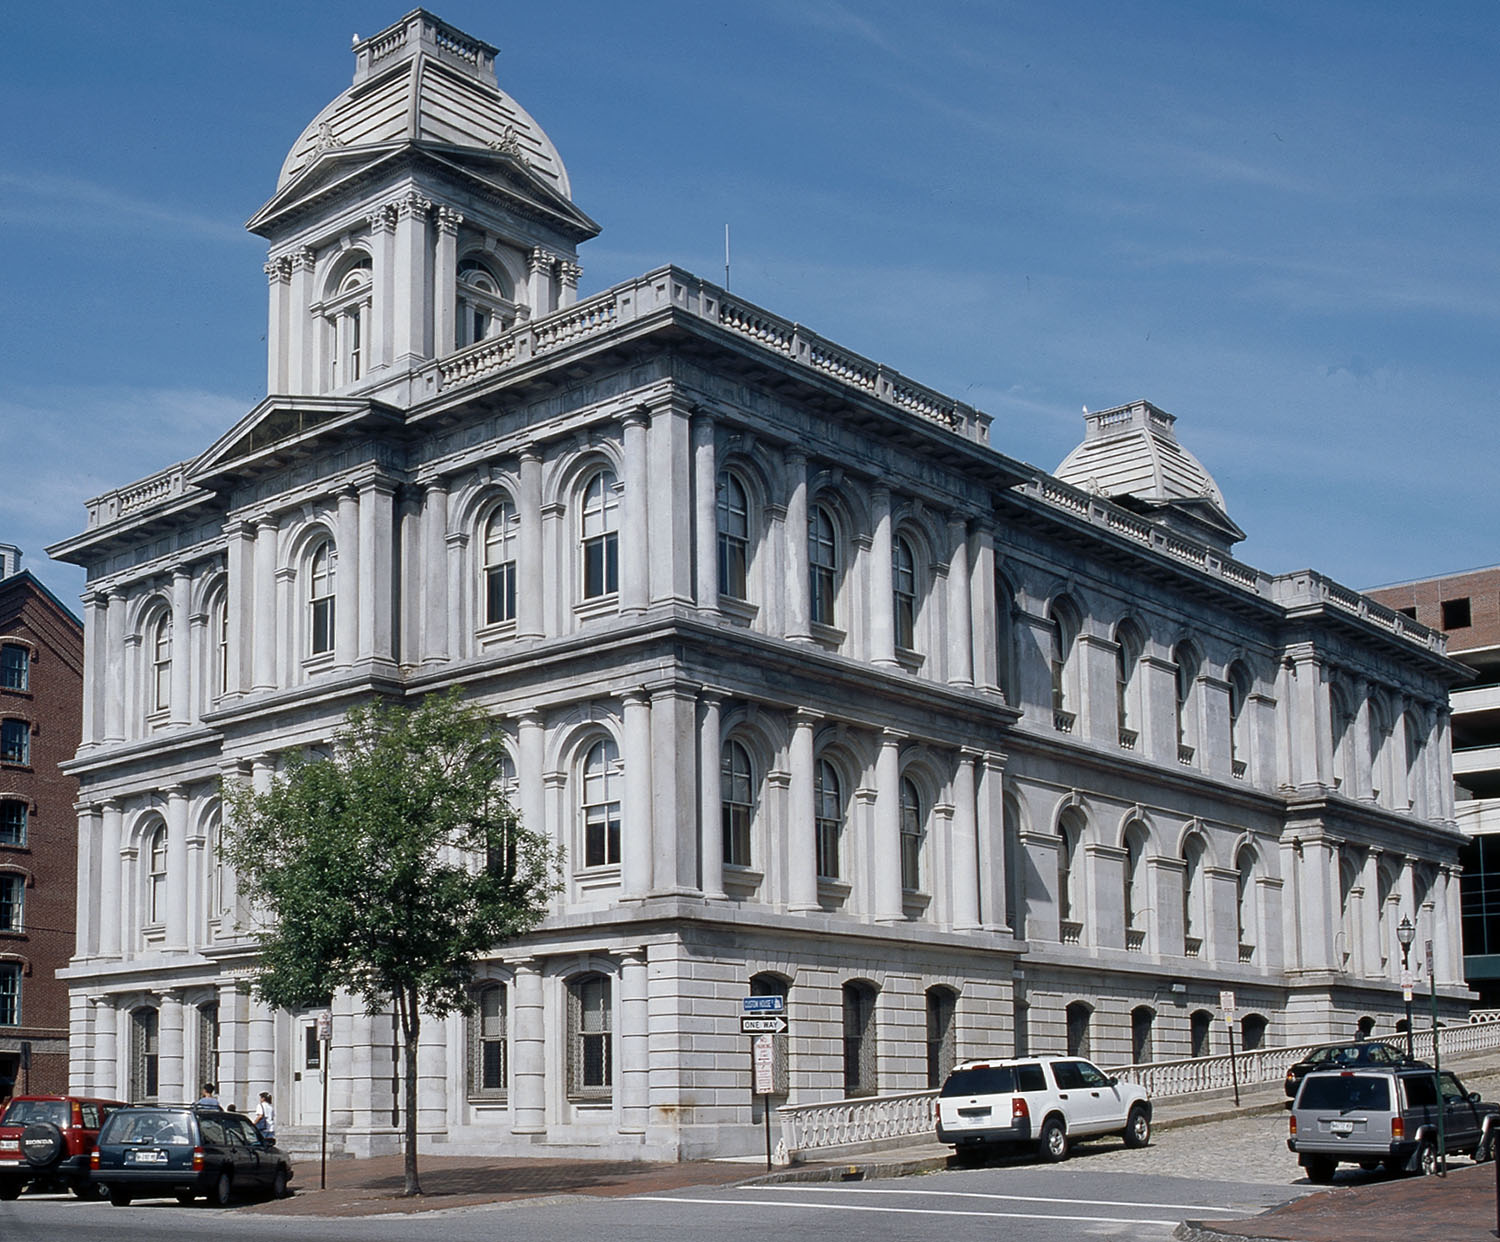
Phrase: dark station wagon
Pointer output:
(186, 1152)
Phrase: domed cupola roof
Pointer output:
(1131, 455)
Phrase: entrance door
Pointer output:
(307, 1073)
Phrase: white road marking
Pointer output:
(973, 1194)
(897, 1211)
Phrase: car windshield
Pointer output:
(155, 1126)
(30, 1112)
(980, 1080)
(1346, 1092)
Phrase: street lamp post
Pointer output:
(1406, 933)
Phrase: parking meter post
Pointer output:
(323, 1158)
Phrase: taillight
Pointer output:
(1398, 1127)
(94, 1159)
(197, 1160)
(1291, 1123)
(1018, 1110)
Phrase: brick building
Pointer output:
(41, 696)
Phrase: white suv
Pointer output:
(1048, 1101)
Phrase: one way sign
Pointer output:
(763, 1026)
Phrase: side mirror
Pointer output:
(1472, 1097)
(1113, 1082)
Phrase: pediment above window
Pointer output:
(282, 429)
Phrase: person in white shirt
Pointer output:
(264, 1117)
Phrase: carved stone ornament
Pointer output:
(542, 260)
(327, 140)
(509, 143)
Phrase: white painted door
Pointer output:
(307, 1072)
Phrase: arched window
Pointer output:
(500, 848)
(859, 1040)
(942, 1042)
(1341, 720)
(214, 872)
(1240, 686)
(1348, 936)
(823, 565)
(911, 835)
(15, 667)
(1416, 799)
(1136, 901)
(732, 507)
(1379, 734)
(208, 1042)
(1142, 1019)
(600, 536)
(218, 624)
(603, 783)
(1128, 648)
(322, 584)
(1194, 911)
(1079, 1016)
(1005, 647)
(1070, 835)
(1245, 904)
(346, 317)
(1386, 912)
(501, 535)
(829, 819)
(1253, 1031)
(1200, 1027)
(161, 663)
(1186, 660)
(15, 741)
(591, 1070)
(144, 1055)
(13, 817)
(483, 306)
(737, 793)
(12, 902)
(904, 591)
(1062, 623)
(1015, 872)
(156, 875)
(488, 1063)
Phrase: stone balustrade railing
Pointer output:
(870, 1121)
(123, 502)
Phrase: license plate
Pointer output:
(147, 1157)
(1342, 1127)
(974, 1112)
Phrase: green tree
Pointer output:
(387, 868)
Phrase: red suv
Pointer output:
(47, 1140)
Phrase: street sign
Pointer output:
(1431, 974)
(1226, 1003)
(763, 1004)
(774, 1025)
(764, 1055)
(325, 1025)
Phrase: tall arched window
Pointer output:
(1062, 625)
(911, 835)
(591, 1069)
(208, 1042)
(1135, 886)
(1380, 732)
(1246, 915)
(322, 585)
(501, 536)
(1253, 1031)
(600, 536)
(1348, 937)
(1240, 685)
(1079, 1016)
(732, 507)
(161, 663)
(218, 623)
(942, 1042)
(829, 819)
(1128, 648)
(483, 307)
(603, 783)
(489, 1067)
(904, 591)
(346, 316)
(1015, 872)
(1386, 912)
(500, 849)
(156, 875)
(737, 792)
(1342, 718)
(144, 1056)
(1200, 1026)
(1070, 836)
(823, 565)
(1194, 911)
(1186, 660)
(1142, 1020)
(859, 1039)
(1416, 799)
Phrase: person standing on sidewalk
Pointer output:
(264, 1117)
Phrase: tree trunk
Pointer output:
(411, 1029)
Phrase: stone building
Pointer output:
(41, 688)
(821, 694)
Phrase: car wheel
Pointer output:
(10, 1189)
(1320, 1169)
(185, 1197)
(1138, 1127)
(278, 1185)
(222, 1190)
(118, 1197)
(1053, 1141)
(1427, 1158)
(1485, 1152)
(86, 1190)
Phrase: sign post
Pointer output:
(1437, 1069)
(1226, 1003)
(762, 1018)
(325, 1033)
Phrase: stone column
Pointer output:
(670, 537)
(432, 1074)
(673, 789)
(991, 660)
(177, 868)
(635, 814)
(264, 593)
(261, 1056)
(377, 510)
(634, 517)
(382, 286)
(705, 516)
(301, 350)
(114, 687)
(462, 608)
(529, 1072)
(540, 285)
(234, 1071)
(278, 277)
(170, 1084)
(960, 608)
(1447, 964)
(111, 906)
(965, 875)
(346, 624)
(1316, 869)
(412, 291)
(1222, 943)
(532, 569)
(711, 800)
(180, 690)
(798, 586)
(445, 280)
(1042, 907)
(94, 638)
(882, 568)
(106, 1054)
(529, 758)
(635, 1060)
(802, 843)
(239, 604)
(1371, 948)
(1103, 913)
(886, 845)
(90, 859)
(435, 601)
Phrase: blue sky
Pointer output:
(1275, 220)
